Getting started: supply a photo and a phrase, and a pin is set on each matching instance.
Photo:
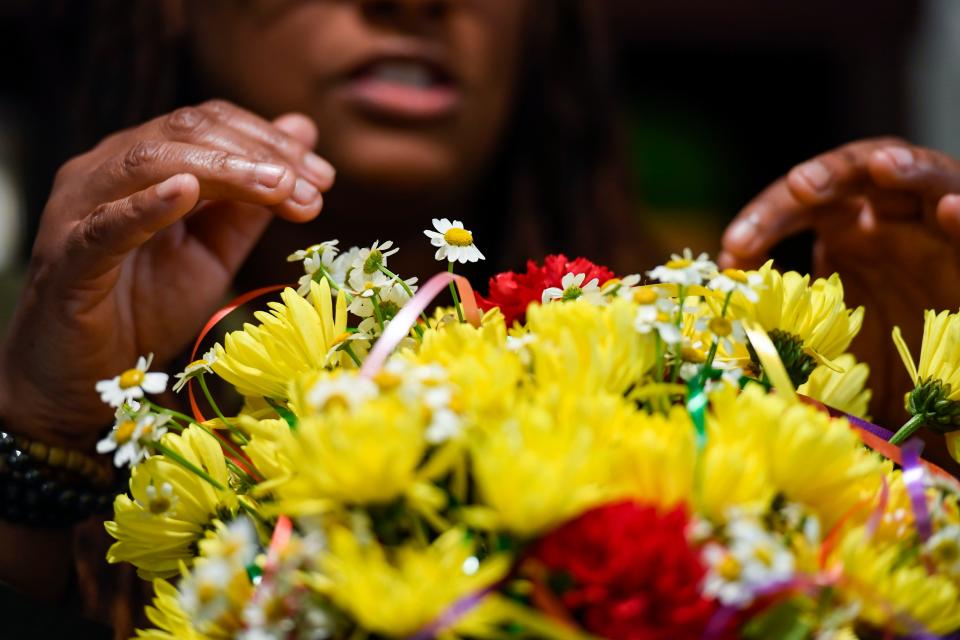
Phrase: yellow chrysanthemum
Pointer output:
(397, 592)
(587, 347)
(551, 459)
(156, 540)
(263, 448)
(845, 390)
(293, 338)
(935, 400)
(810, 458)
(894, 591)
(477, 364)
(168, 616)
(807, 323)
(364, 454)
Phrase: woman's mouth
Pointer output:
(403, 89)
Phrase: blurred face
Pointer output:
(407, 94)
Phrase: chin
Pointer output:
(403, 163)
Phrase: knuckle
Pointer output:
(144, 152)
(218, 107)
(186, 122)
(93, 229)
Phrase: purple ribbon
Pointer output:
(914, 475)
(454, 612)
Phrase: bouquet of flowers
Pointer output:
(576, 455)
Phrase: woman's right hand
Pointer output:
(138, 243)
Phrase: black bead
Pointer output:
(7, 442)
(48, 490)
(17, 460)
(84, 502)
(32, 477)
(67, 500)
(30, 498)
(11, 492)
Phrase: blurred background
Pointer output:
(720, 98)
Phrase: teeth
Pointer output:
(406, 73)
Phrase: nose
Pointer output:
(398, 10)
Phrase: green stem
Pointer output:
(170, 412)
(216, 409)
(378, 313)
(353, 355)
(453, 292)
(186, 464)
(908, 429)
(333, 284)
(716, 343)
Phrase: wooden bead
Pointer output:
(57, 457)
(74, 460)
(38, 451)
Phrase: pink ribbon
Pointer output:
(399, 328)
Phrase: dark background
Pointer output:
(721, 98)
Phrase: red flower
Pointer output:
(513, 292)
(626, 572)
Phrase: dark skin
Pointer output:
(887, 218)
(143, 235)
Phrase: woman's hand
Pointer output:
(887, 218)
(138, 243)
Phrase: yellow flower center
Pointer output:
(729, 568)
(387, 380)
(131, 378)
(125, 431)
(458, 237)
(367, 286)
(682, 263)
(343, 337)
(645, 296)
(691, 354)
(764, 554)
(159, 505)
(336, 401)
(736, 275)
(720, 327)
(206, 592)
(947, 552)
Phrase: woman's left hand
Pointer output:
(887, 218)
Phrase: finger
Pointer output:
(222, 175)
(100, 241)
(229, 230)
(774, 215)
(837, 174)
(295, 143)
(948, 215)
(925, 172)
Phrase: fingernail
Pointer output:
(741, 233)
(269, 175)
(902, 158)
(169, 188)
(319, 166)
(304, 192)
(816, 174)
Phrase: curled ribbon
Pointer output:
(913, 480)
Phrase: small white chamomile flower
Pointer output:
(132, 384)
(131, 436)
(685, 270)
(161, 502)
(455, 243)
(572, 288)
(347, 391)
(754, 560)
(731, 280)
(195, 369)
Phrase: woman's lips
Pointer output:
(403, 90)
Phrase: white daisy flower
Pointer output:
(753, 560)
(238, 543)
(368, 260)
(341, 267)
(132, 384)
(455, 243)
(131, 436)
(621, 287)
(204, 594)
(364, 286)
(160, 502)
(729, 332)
(685, 270)
(943, 548)
(658, 316)
(347, 390)
(736, 280)
(571, 288)
(317, 255)
(358, 341)
(195, 369)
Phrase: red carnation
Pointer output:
(513, 292)
(626, 572)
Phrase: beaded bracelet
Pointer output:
(48, 486)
